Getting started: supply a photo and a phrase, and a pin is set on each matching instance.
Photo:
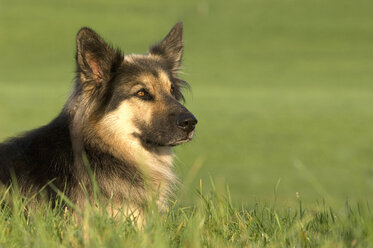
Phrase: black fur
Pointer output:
(39, 157)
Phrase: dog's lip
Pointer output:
(182, 141)
(179, 142)
(174, 143)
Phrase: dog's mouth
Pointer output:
(179, 142)
(153, 143)
(182, 141)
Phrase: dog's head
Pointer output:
(135, 97)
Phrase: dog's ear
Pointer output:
(95, 59)
(171, 47)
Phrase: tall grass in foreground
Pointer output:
(212, 222)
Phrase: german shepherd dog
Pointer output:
(121, 121)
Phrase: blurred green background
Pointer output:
(282, 89)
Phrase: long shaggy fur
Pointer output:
(120, 123)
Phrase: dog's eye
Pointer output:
(140, 93)
(143, 94)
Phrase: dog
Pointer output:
(120, 124)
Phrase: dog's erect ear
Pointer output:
(95, 59)
(171, 47)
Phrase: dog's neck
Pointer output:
(150, 169)
(157, 161)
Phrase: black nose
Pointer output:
(186, 122)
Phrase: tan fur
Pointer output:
(131, 57)
(116, 130)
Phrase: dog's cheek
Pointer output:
(118, 124)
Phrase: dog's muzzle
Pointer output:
(187, 123)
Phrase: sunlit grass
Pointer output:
(212, 221)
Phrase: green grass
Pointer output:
(213, 221)
(282, 90)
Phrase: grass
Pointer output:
(282, 90)
(212, 222)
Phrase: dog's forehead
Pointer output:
(159, 80)
(149, 70)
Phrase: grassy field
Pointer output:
(282, 90)
(213, 221)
